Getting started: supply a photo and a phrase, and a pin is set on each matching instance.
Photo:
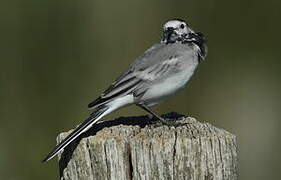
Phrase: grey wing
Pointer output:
(147, 68)
(125, 84)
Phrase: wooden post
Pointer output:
(134, 148)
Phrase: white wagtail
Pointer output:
(160, 72)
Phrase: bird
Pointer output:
(161, 71)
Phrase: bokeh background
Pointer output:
(58, 55)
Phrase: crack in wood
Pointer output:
(141, 150)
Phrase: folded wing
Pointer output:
(149, 68)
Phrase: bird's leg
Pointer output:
(164, 121)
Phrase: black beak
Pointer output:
(201, 37)
(197, 37)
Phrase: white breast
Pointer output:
(160, 91)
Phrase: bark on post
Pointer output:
(133, 148)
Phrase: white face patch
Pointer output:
(178, 28)
(173, 23)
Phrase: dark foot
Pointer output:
(165, 121)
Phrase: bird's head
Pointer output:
(178, 30)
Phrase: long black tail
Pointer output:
(92, 119)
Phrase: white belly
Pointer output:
(160, 91)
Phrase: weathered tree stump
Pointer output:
(134, 148)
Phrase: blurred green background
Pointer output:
(57, 56)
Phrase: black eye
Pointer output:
(182, 26)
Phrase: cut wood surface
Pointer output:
(137, 148)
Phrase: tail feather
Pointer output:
(92, 119)
(100, 112)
